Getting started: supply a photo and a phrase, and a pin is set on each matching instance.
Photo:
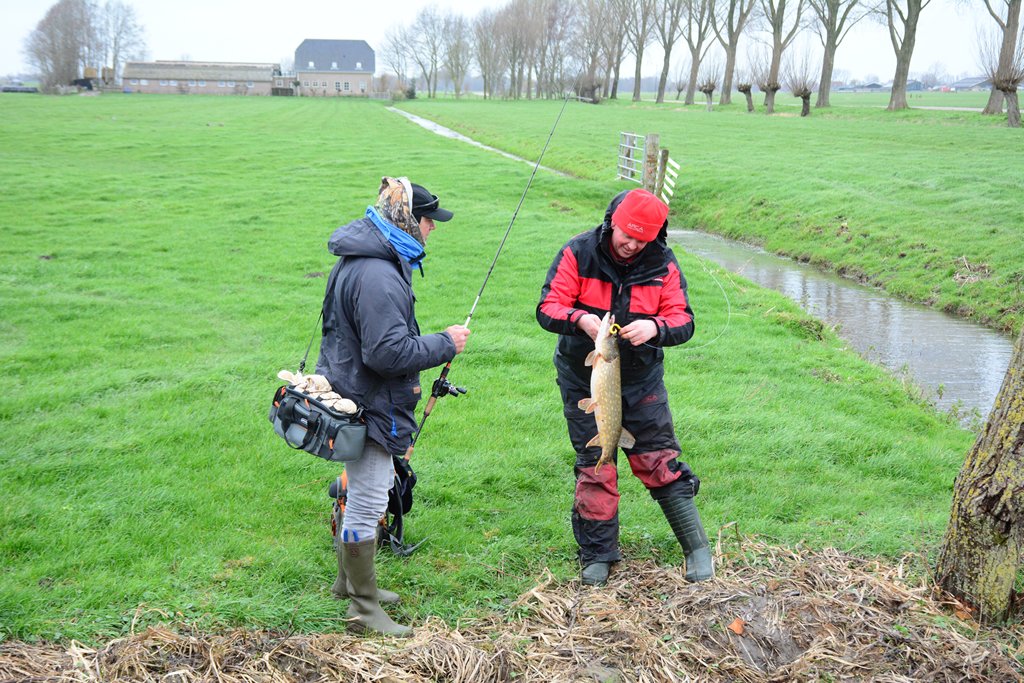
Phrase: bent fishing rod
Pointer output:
(441, 386)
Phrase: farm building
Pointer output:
(200, 78)
(973, 83)
(334, 68)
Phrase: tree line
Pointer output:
(538, 48)
(76, 35)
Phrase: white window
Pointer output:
(347, 86)
(163, 82)
(248, 84)
(305, 83)
(231, 84)
(144, 81)
(220, 84)
(359, 65)
(334, 65)
(202, 84)
(279, 83)
(362, 86)
(135, 81)
(192, 83)
(174, 82)
(337, 86)
(311, 65)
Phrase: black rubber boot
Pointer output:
(341, 588)
(684, 519)
(596, 573)
(364, 612)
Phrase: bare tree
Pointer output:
(800, 77)
(696, 30)
(901, 17)
(937, 75)
(668, 22)
(123, 36)
(707, 81)
(614, 44)
(760, 68)
(586, 46)
(394, 53)
(1005, 77)
(427, 45)
(681, 79)
(982, 551)
(835, 18)
(553, 48)
(639, 29)
(64, 42)
(744, 83)
(457, 49)
(1009, 25)
(728, 21)
(487, 50)
(783, 18)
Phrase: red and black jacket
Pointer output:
(584, 278)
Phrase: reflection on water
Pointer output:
(968, 361)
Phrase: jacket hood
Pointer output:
(361, 238)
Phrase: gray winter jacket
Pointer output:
(372, 350)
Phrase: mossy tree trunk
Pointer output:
(981, 553)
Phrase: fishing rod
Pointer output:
(441, 386)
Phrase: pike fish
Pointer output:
(606, 394)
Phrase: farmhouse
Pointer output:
(334, 68)
(973, 83)
(199, 78)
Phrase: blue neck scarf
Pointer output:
(404, 243)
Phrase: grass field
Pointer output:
(162, 258)
(925, 204)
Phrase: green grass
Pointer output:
(925, 204)
(155, 274)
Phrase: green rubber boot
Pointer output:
(684, 519)
(341, 588)
(364, 612)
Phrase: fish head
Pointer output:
(605, 342)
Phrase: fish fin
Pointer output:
(596, 441)
(587, 405)
(626, 440)
(591, 358)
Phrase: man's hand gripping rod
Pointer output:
(441, 386)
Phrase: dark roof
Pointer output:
(973, 82)
(349, 55)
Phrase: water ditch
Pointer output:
(958, 364)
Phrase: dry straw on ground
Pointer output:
(772, 614)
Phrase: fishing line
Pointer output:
(441, 386)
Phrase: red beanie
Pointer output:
(640, 215)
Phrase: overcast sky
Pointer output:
(269, 31)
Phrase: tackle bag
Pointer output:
(309, 425)
(390, 530)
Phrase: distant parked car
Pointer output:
(19, 88)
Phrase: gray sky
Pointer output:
(269, 31)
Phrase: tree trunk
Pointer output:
(636, 74)
(981, 552)
(805, 110)
(708, 96)
(898, 97)
(691, 85)
(1007, 50)
(995, 102)
(769, 101)
(750, 101)
(663, 81)
(827, 65)
(730, 67)
(1012, 109)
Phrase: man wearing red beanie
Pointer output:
(624, 266)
